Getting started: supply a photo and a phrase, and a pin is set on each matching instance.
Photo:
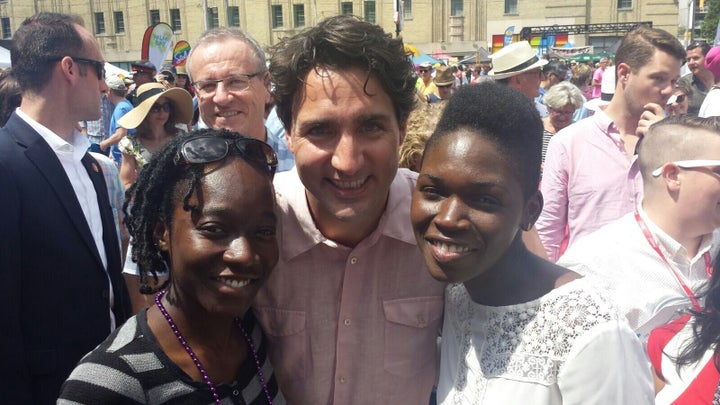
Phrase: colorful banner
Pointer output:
(157, 42)
(508, 39)
(180, 53)
(570, 52)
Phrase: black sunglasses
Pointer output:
(208, 149)
(96, 64)
(164, 106)
(680, 98)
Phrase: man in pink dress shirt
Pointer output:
(351, 313)
(591, 175)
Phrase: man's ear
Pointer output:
(671, 176)
(622, 72)
(403, 131)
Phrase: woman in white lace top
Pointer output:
(517, 329)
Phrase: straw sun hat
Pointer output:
(147, 95)
(514, 59)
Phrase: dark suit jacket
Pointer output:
(53, 287)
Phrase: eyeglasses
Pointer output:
(96, 64)
(233, 83)
(208, 149)
(423, 70)
(164, 106)
(689, 164)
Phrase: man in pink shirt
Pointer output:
(597, 77)
(591, 175)
(351, 313)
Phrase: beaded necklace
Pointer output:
(195, 360)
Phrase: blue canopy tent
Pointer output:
(422, 58)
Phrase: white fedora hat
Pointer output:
(514, 59)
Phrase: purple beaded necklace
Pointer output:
(195, 360)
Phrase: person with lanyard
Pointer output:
(655, 259)
(685, 354)
(197, 343)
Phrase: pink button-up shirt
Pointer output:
(351, 325)
(588, 181)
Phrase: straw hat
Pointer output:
(444, 76)
(514, 59)
(147, 95)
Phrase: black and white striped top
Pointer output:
(129, 367)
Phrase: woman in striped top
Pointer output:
(204, 209)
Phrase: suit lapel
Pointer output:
(47, 163)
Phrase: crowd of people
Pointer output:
(333, 225)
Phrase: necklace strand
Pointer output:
(196, 361)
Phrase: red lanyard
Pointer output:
(678, 276)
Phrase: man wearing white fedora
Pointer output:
(518, 66)
(591, 175)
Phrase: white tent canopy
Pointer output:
(112, 70)
(4, 58)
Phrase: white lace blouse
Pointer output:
(570, 346)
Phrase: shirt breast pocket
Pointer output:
(411, 330)
(287, 337)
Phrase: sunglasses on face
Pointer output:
(164, 106)
(208, 149)
(97, 65)
(423, 70)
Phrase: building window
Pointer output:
(370, 12)
(277, 21)
(456, 8)
(154, 17)
(299, 15)
(175, 21)
(119, 22)
(213, 17)
(99, 23)
(407, 9)
(6, 31)
(346, 8)
(233, 16)
(624, 3)
(510, 6)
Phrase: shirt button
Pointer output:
(342, 380)
(346, 322)
(353, 260)
(236, 392)
(421, 320)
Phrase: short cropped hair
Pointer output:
(678, 137)
(638, 47)
(40, 42)
(562, 94)
(703, 45)
(223, 34)
(502, 115)
(555, 67)
(339, 43)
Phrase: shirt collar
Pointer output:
(300, 234)
(675, 251)
(77, 147)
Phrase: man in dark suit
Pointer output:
(61, 292)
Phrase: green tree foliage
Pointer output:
(710, 23)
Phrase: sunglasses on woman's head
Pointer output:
(209, 148)
(164, 106)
